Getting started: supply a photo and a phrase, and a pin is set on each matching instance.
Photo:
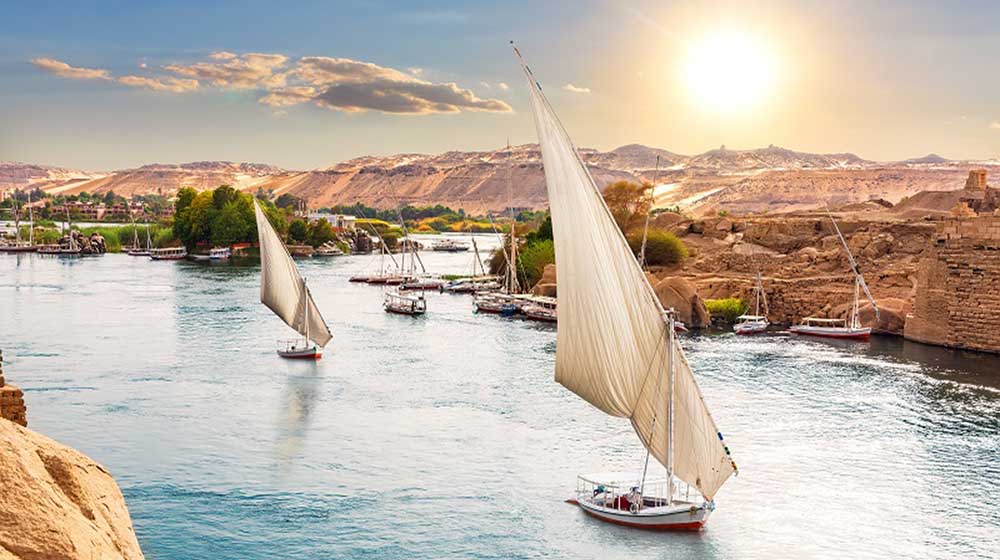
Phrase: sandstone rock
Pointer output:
(681, 295)
(546, 285)
(724, 225)
(57, 503)
(892, 314)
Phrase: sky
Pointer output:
(109, 85)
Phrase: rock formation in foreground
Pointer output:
(57, 503)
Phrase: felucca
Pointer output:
(616, 349)
(850, 327)
(284, 291)
(756, 323)
(504, 301)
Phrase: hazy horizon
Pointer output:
(105, 88)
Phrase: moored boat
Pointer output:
(328, 249)
(617, 349)
(849, 328)
(168, 254)
(220, 253)
(449, 246)
(404, 304)
(756, 323)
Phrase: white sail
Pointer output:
(611, 345)
(281, 287)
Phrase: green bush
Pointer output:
(533, 258)
(728, 308)
(662, 248)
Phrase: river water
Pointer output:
(446, 437)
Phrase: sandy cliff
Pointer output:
(56, 503)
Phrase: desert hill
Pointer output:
(771, 179)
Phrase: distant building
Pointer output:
(339, 221)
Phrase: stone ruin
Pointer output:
(978, 198)
(12, 406)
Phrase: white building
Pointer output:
(339, 221)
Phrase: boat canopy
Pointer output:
(612, 342)
(282, 288)
(620, 479)
(751, 318)
(823, 320)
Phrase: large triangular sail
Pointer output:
(612, 341)
(282, 288)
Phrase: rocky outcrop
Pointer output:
(681, 295)
(546, 286)
(12, 407)
(57, 503)
(892, 314)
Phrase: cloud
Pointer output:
(415, 70)
(63, 70)
(340, 84)
(486, 85)
(576, 89)
(164, 83)
(503, 86)
(995, 125)
(248, 71)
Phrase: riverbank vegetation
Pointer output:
(727, 308)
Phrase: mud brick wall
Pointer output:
(958, 287)
(11, 401)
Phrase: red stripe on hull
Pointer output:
(304, 357)
(691, 526)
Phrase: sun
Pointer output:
(730, 71)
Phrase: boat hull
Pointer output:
(832, 332)
(303, 354)
(678, 519)
(750, 328)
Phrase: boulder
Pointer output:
(892, 314)
(57, 503)
(682, 296)
(546, 285)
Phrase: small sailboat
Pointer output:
(137, 249)
(71, 249)
(849, 328)
(399, 300)
(504, 301)
(19, 246)
(616, 348)
(756, 323)
(284, 291)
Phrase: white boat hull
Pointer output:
(679, 517)
(750, 328)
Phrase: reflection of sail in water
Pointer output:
(298, 404)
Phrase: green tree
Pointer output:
(288, 201)
(298, 231)
(629, 203)
(321, 232)
(230, 225)
(533, 258)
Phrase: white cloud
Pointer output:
(416, 71)
(248, 71)
(503, 86)
(340, 84)
(63, 70)
(163, 83)
(576, 89)
(486, 85)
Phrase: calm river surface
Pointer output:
(446, 436)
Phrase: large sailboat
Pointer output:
(504, 301)
(849, 328)
(284, 291)
(616, 348)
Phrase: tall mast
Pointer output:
(670, 407)
(31, 221)
(859, 280)
(512, 284)
(645, 229)
(17, 221)
(305, 304)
